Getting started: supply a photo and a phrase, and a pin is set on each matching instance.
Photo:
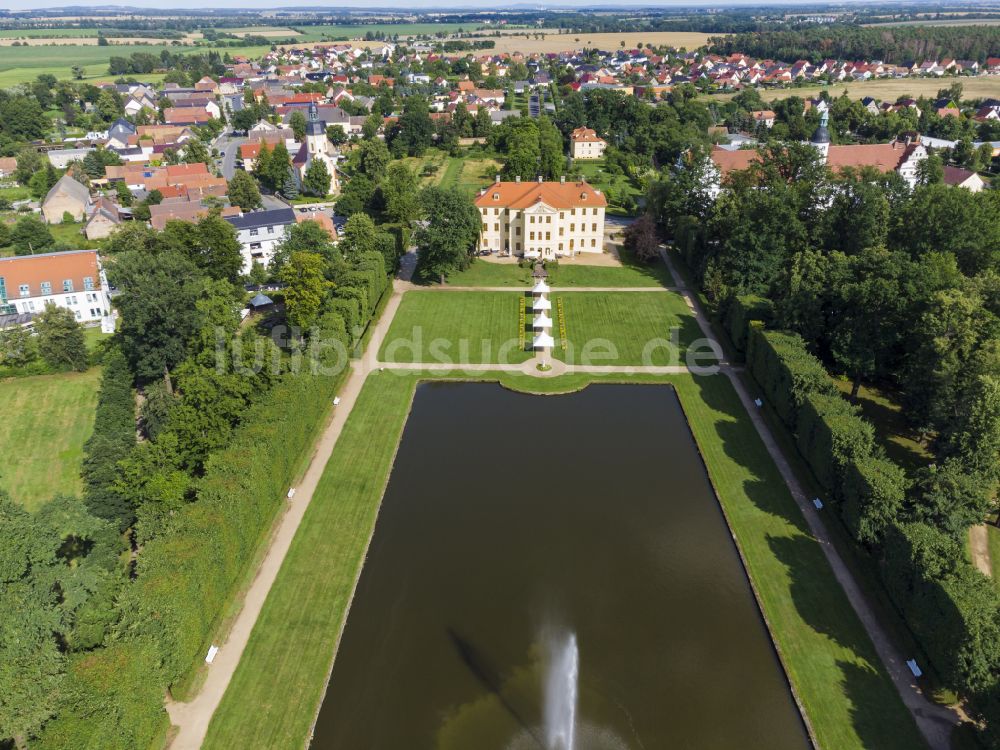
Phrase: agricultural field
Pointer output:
(43, 446)
(23, 64)
(942, 22)
(354, 31)
(562, 42)
(888, 89)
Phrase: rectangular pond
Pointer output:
(553, 573)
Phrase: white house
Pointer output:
(584, 143)
(541, 219)
(259, 233)
(73, 279)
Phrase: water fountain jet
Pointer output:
(561, 694)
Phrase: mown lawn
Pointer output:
(627, 328)
(487, 273)
(48, 419)
(455, 327)
(278, 686)
(993, 533)
(630, 273)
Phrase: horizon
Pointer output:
(424, 6)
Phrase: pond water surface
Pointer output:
(512, 524)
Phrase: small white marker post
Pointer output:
(210, 656)
(336, 400)
(291, 493)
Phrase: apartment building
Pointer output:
(72, 279)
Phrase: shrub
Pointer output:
(831, 436)
(874, 492)
(785, 371)
(740, 312)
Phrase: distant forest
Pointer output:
(895, 45)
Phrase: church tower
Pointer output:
(318, 146)
(821, 138)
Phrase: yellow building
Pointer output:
(544, 220)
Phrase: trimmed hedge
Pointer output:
(952, 608)
(831, 436)
(185, 577)
(785, 371)
(874, 494)
(740, 312)
(112, 440)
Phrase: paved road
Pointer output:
(231, 145)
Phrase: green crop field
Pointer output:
(455, 327)
(355, 31)
(624, 329)
(49, 418)
(65, 32)
(23, 64)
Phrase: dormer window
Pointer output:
(496, 196)
(583, 196)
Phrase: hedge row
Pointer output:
(785, 370)
(113, 439)
(740, 311)
(185, 578)
(359, 293)
(952, 609)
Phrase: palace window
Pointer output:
(24, 290)
(67, 285)
(88, 283)
(46, 287)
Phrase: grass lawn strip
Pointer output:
(437, 326)
(50, 417)
(993, 534)
(849, 699)
(630, 274)
(629, 321)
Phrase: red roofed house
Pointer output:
(541, 219)
(73, 279)
(584, 143)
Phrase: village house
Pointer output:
(964, 178)
(260, 232)
(584, 143)
(67, 196)
(104, 218)
(541, 219)
(72, 279)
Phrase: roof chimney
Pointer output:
(497, 179)
(517, 178)
(539, 178)
(562, 179)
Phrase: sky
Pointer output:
(410, 5)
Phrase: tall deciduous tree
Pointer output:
(316, 180)
(60, 338)
(359, 236)
(305, 288)
(157, 299)
(399, 192)
(447, 242)
(243, 191)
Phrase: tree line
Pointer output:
(892, 44)
(858, 274)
